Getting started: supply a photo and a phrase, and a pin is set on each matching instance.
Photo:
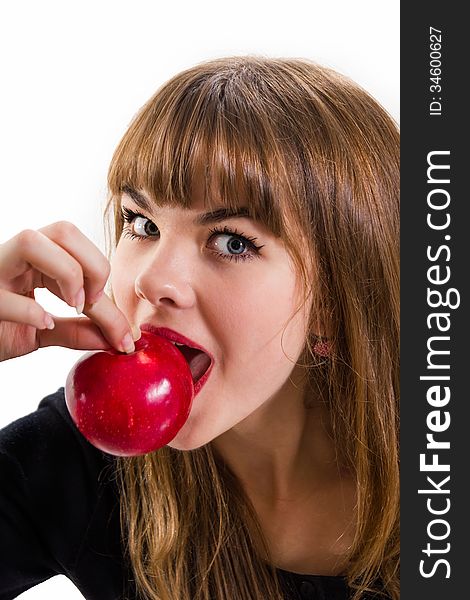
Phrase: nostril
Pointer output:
(155, 293)
(168, 301)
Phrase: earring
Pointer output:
(322, 346)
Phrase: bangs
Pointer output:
(204, 130)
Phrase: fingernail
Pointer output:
(127, 344)
(136, 333)
(49, 321)
(80, 301)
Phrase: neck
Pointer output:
(282, 452)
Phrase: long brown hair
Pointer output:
(316, 159)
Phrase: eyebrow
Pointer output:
(214, 216)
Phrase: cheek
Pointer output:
(259, 347)
(256, 323)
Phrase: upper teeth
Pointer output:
(178, 344)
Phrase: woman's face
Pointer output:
(235, 296)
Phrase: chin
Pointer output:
(186, 444)
(190, 437)
(194, 435)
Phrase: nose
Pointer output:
(166, 280)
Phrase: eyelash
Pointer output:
(129, 215)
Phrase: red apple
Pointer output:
(130, 404)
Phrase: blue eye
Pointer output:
(238, 246)
(226, 244)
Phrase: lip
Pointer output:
(174, 336)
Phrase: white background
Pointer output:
(72, 76)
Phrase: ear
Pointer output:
(320, 323)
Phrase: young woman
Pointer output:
(255, 211)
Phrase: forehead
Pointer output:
(199, 190)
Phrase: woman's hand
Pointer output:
(62, 259)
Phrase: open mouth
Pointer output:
(198, 361)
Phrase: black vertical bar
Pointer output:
(435, 354)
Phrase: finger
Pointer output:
(113, 324)
(76, 333)
(20, 309)
(94, 264)
(32, 248)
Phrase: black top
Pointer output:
(59, 514)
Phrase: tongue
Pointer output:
(197, 360)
